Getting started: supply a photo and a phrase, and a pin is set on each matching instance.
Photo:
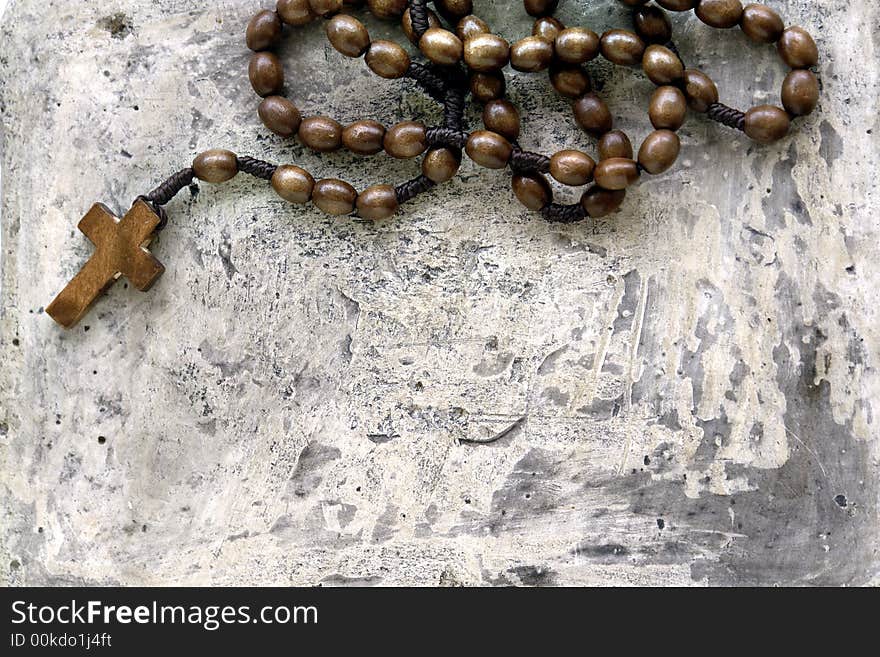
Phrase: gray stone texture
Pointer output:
(683, 394)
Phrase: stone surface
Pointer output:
(685, 393)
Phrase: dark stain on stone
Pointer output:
(224, 250)
(118, 25)
(307, 474)
(534, 575)
(626, 309)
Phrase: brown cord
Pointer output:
(732, 118)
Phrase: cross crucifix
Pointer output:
(120, 250)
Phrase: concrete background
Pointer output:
(690, 387)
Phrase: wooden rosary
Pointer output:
(466, 59)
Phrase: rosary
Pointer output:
(464, 58)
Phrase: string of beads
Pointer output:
(464, 57)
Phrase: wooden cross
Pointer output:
(120, 250)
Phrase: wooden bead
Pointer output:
(659, 151)
(570, 81)
(678, 5)
(622, 47)
(377, 202)
(668, 108)
(335, 197)
(387, 59)
(264, 31)
(293, 184)
(266, 74)
(501, 116)
(321, 134)
(532, 190)
(547, 28)
(348, 35)
(295, 12)
(325, 7)
(486, 53)
(800, 92)
(408, 29)
(364, 137)
(541, 7)
(215, 166)
(441, 164)
(387, 9)
(615, 144)
(798, 48)
(406, 140)
(280, 115)
(699, 89)
(592, 114)
(441, 46)
(652, 25)
(577, 45)
(598, 202)
(470, 27)
(662, 66)
(531, 54)
(616, 174)
(720, 14)
(766, 124)
(489, 149)
(454, 9)
(487, 86)
(571, 167)
(761, 24)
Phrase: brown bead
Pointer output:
(454, 9)
(616, 173)
(598, 202)
(377, 202)
(501, 116)
(266, 74)
(540, 7)
(334, 196)
(489, 149)
(678, 5)
(295, 12)
(408, 29)
(615, 144)
(798, 48)
(470, 27)
(761, 24)
(592, 114)
(800, 92)
(652, 25)
(570, 81)
(547, 28)
(293, 184)
(364, 137)
(387, 9)
(280, 115)
(441, 46)
(577, 45)
(668, 108)
(406, 140)
(662, 66)
(215, 166)
(532, 190)
(348, 35)
(487, 86)
(264, 30)
(766, 124)
(321, 134)
(325, 7)
(659, 151)
(622, 47)
(721, 14)
(571, 167)
(387, 59)
(531, 54)
(699, 89)
(486, 53)
(441, 164)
